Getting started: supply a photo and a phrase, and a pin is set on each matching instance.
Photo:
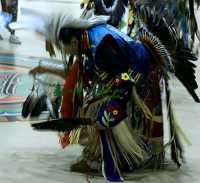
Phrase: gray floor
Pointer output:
(30, 156)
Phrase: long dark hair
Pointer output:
(66, 34)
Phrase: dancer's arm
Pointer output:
(49, 70)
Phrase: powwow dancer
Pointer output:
(117, 87)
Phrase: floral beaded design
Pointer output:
(112, 114)
(125, 76)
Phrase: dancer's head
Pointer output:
(71, 39)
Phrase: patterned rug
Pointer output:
(16, 84)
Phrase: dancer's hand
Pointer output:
(48, 70)
(37, 70)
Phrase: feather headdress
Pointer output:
(50, 25)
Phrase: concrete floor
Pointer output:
(30, 156)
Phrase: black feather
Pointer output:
(39, 106)
(179, 13)
(26, 109)
(176, 145)
(185, 70)
(61, 124)
(180, 53)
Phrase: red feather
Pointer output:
(67, 103)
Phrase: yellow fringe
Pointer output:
(140, 103)
(126, 141)
(74, 136)
(85, 1)
(179, 130)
